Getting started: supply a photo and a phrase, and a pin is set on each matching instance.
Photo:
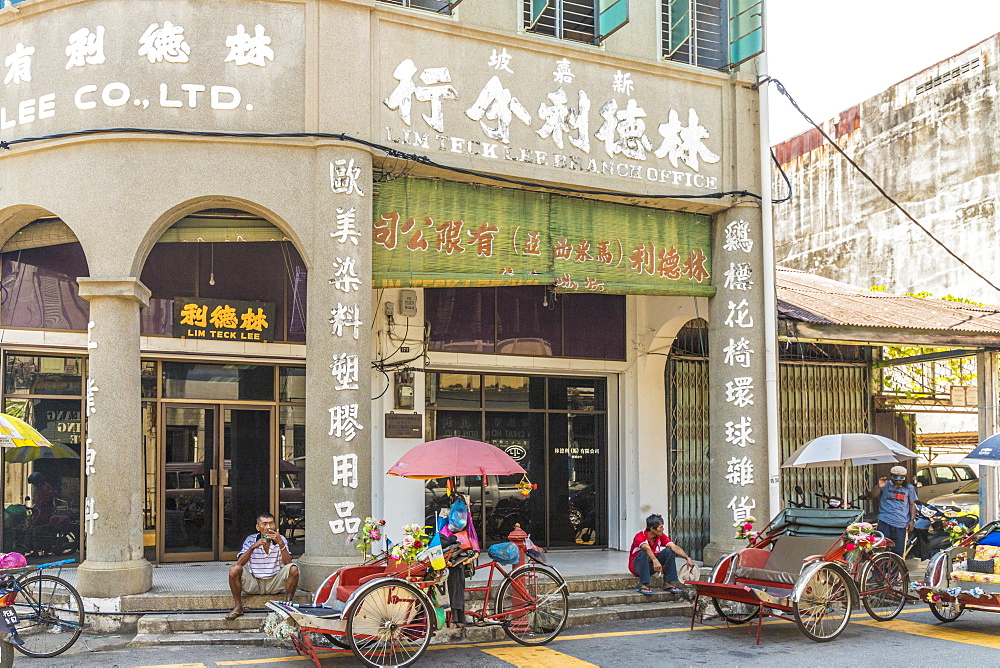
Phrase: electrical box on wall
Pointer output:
(403, 399)
(407, 303)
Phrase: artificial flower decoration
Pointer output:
(413, 543)
(370, 534)
(859, 537)
(744, 530)
(977, 592)
(954, 591)
(956, 532)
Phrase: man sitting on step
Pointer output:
(263, 566)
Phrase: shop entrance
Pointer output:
(217, 475)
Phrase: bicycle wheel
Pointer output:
(884, 582)
(50, 615)
(947, 612)
(536, 604)
(390, 624)
(824, 609)
(735, 612)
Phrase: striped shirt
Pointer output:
(263, 564)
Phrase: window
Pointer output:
(527, 320)
(944, 474)
(965, 473)
(589, 21)
(694, 32)
(436, 6)
(923, 477)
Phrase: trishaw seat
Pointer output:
(781, 565)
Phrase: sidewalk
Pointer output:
(212, 577)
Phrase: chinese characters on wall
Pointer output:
(160, 44)
(347, 281)
(610, 138)
(738, 354)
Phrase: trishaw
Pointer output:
(798, 569)
(386, 612)
(951, 586)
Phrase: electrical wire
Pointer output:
(389, 151)
(781, 89)
(788, 183)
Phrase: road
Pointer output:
(915, 638)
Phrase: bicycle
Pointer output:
(50, 614)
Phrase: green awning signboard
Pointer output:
(442, 234)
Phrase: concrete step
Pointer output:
(208, 638)
(199, 623)
(617, 597)
(199, 601)
(595, 615)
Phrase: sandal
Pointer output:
(670, 589)
(644, 590)
(233, 615)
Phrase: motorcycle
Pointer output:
(8, 621)
(932, 530)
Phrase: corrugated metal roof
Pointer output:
(809, 298)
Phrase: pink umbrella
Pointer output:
(454, 456)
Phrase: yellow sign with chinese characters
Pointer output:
(223, 320)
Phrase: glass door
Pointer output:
(217, 479)
(190, 483)
(246, 474)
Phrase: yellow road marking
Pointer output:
(536, 657)
(938, 631)
(584, 636)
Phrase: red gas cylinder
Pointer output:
(518, 536)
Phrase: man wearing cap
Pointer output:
(897, 507)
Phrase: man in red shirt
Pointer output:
(652, 550)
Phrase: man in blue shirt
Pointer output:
(897, 507)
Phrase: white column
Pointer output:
(338, 378)
(112, 528)
(988, 392)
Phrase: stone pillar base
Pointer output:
(715, 551)
(109, 579)
(314, 569)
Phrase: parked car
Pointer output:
(965, 498)
(937, 479)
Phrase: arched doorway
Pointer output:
(42, 490)
(686, 380)
(224, 438)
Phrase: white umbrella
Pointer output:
(848, 449)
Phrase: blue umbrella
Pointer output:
(986, 453)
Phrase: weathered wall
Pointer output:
(931, 142)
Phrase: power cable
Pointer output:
(389, 151)
(781, 89)
(788, 182)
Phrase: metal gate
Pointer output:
(816, 399)
(687, 438)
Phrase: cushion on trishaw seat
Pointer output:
(784, 561)
(969, 576)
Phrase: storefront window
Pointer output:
(149, 469)
(222, 382)
(35, 374)
(527, 320)
(41, 263)
(41, 492)
(292, 383)
(206, 256)
(556, 428)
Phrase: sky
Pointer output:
(833, 55)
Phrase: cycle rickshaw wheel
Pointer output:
(735, 612)
(947, 612)
(50, 616)
(886, 577)
(390, 624)
(824, 607)
(538, 604)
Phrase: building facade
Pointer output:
(254, 251)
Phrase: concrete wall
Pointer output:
(931, 142)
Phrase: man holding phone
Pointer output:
(897, 507)
(264, 566)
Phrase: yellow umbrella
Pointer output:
(27, 444)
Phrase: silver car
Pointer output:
(964, 499)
